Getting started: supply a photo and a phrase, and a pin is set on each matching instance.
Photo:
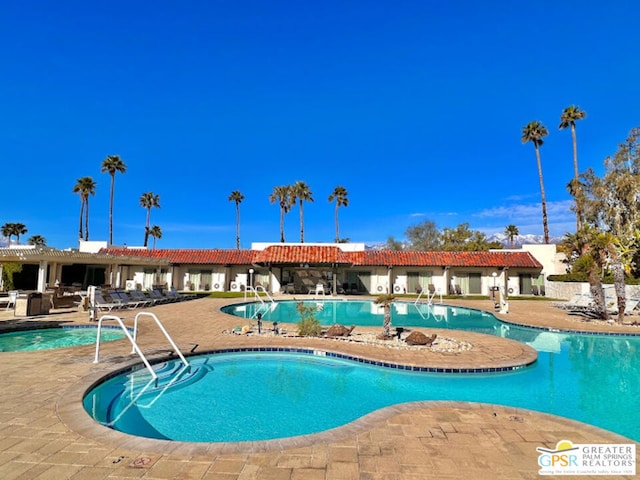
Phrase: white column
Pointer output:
(42, 276)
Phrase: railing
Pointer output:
(430, 296)
(256, 293)
(135, 347)
(162, 329)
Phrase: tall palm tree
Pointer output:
(7, 231)
(301, 192)
(282, 195)
(568, 118)
(511, 231)
(84, 186)
(534, 132)
(112, 164)
(339, 194)
(155, 232)
(148, 200)
(37, 240)
(237, 197)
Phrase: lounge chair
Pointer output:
(159, 297)
(534, 290)
(184, 296)
(142, 298)
(127, 302)
(432, 288)
(458, 289)
(102, 303)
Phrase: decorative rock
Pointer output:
(419, 338)
(338, 330)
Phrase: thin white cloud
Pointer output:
(523, 212)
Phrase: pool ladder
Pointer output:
(430, 296)
(135, 347)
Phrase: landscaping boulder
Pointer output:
(419, 338)
(338, 330)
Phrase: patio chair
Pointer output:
(11, 302)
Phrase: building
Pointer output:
(288, 268)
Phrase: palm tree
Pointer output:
(282, 195)
(155, 232)
(37, 240)
(112, 164)
(386, 300)
(237, 197)
(18, 229)
(339, 194)
(568, 119)
(302, 193)
(7, 231)
(534, 132)
(511, 231)
(148, 200)
(84, 186)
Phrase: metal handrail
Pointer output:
(162, 329)
(136, 349)
(256, 291)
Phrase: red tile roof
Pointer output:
(302, 254)
(314, 254)
(451, 259)
(189, 256)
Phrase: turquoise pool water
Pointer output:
(228, 397)
(48, 338)
(367, 313)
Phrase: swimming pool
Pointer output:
(59, 337)
(367, 313)
(255, 395)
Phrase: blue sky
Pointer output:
(415, 107)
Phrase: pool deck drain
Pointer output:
(43, 437)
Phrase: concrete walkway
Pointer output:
(45, 434)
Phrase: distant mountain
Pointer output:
(520, 240)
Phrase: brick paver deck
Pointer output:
(45, 434)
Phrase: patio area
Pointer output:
(45, 434)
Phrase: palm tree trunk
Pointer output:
(113, 179)
(301, 224)
(86, 220)
(281, 224)
(337, 231)
(576, 175)
(81, 213)
(386, 328)
(237, 226)
(146, 227)
(545, 224)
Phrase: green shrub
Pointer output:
(309, 325)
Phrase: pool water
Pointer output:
(367, 313)
(229, 397)
(48, 338)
